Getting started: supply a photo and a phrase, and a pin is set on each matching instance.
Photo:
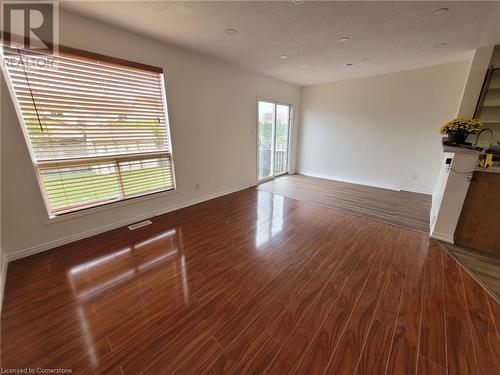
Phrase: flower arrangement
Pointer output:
(458, 129)
(461, 126)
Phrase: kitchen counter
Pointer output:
(471, 151)
(493, 169)
(461, 150)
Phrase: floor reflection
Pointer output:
(270, 217)
(117, 267)
(87, 336)
(99, 261)
(111, 273)
(155, 239)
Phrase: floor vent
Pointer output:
(140, 225)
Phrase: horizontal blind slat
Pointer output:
(68, 71)
(91, 81)
(107, 109)
(56, 97)
(40, 91)
(71, 87)
(93, 118)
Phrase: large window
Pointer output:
(97, 128)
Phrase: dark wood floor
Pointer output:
(250, 283)
(402, 208)
(485, 267)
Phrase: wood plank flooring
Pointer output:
(250, 283)
(485, 267)
(401, 208)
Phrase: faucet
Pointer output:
(492, 137)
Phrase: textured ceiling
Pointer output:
(392, 35)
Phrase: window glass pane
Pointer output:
(80, 186)
(143, 176)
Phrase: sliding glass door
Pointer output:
(273, 139)
(265, 141)
(281, 142)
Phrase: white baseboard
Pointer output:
(367, 183)
(75, 237)
(3, 277)
(443, 237)
(413, 190)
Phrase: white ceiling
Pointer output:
(393, 35)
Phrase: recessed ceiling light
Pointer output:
(440, 11)
(343, 39)
(349, 64)
(231, 31)
(298, 1)
(440, 45)
(283, 57)
(365, 60)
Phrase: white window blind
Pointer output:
(98, 130)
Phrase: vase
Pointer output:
(457, 138)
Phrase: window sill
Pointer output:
(109, 206)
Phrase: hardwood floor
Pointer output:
(253, 283)
(401, 208)
(485, 267)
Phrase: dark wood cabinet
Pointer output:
(479, 224)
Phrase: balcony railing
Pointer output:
(265, 157)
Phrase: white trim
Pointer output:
(443, 237)
(169, 129)
(75, 237)
(256, 146)
(3, 278)
(367, 183)
(263, 181)
(413, 190)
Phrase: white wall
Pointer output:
(380, 130)
(212, 108)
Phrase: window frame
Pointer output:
(102, 205)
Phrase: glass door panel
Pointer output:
(267, 112)
(281, 141)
